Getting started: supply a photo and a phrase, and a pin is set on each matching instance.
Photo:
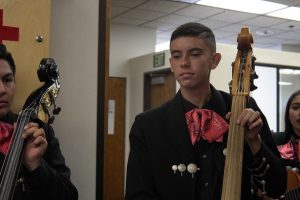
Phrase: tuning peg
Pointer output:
(56, 110)
(254, 75)
(232, 67)
(252, 87)
(51, 119)
(253, 59)
(230, 85)
(232, 64)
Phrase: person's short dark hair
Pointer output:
(288, 125)
(5, 55)
(193, 29)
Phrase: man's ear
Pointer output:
(215, 60)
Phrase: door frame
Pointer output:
(102, 96)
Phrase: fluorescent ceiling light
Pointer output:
(253, 6)
(289, 71)
(291, 13)
(285, 83)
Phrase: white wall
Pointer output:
(125, 43)
(286, 92)
(74, 46)
(266, 94)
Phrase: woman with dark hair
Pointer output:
(289, 141)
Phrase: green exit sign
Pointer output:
(159, 60)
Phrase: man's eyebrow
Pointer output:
(8, 75)
(196, 49)
(193, 49)
(296, 103)
(175, 51)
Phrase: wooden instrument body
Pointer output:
(292, 190)
(293, 180)
(240, 90)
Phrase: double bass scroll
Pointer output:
(241, 84)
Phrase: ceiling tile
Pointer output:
(236, 28)
(126, 3)
(165, 15)
(267, 32)
(126, 21)
(289, 25)
(117, 10)
(198, 11)
(162, 6)
(213, 24)
(232, 16)
(142, 14)
(229, 37)
(223, 34)
(263, 21)
(159, 25)
(286, 2)
(176, 19)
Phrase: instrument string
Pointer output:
(11, 163)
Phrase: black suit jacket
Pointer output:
(51, 180)
(159, 139)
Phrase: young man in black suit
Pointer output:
(165, 163)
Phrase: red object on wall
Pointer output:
(7, 32)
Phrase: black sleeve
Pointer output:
(139, 180)
(266, 167)
(51, 180)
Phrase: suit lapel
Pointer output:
(177, 131)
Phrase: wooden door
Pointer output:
(114, 141)
(32, 17)
(159, 87)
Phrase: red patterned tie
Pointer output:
(206, 124)
(287, 150)
(5, 136)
